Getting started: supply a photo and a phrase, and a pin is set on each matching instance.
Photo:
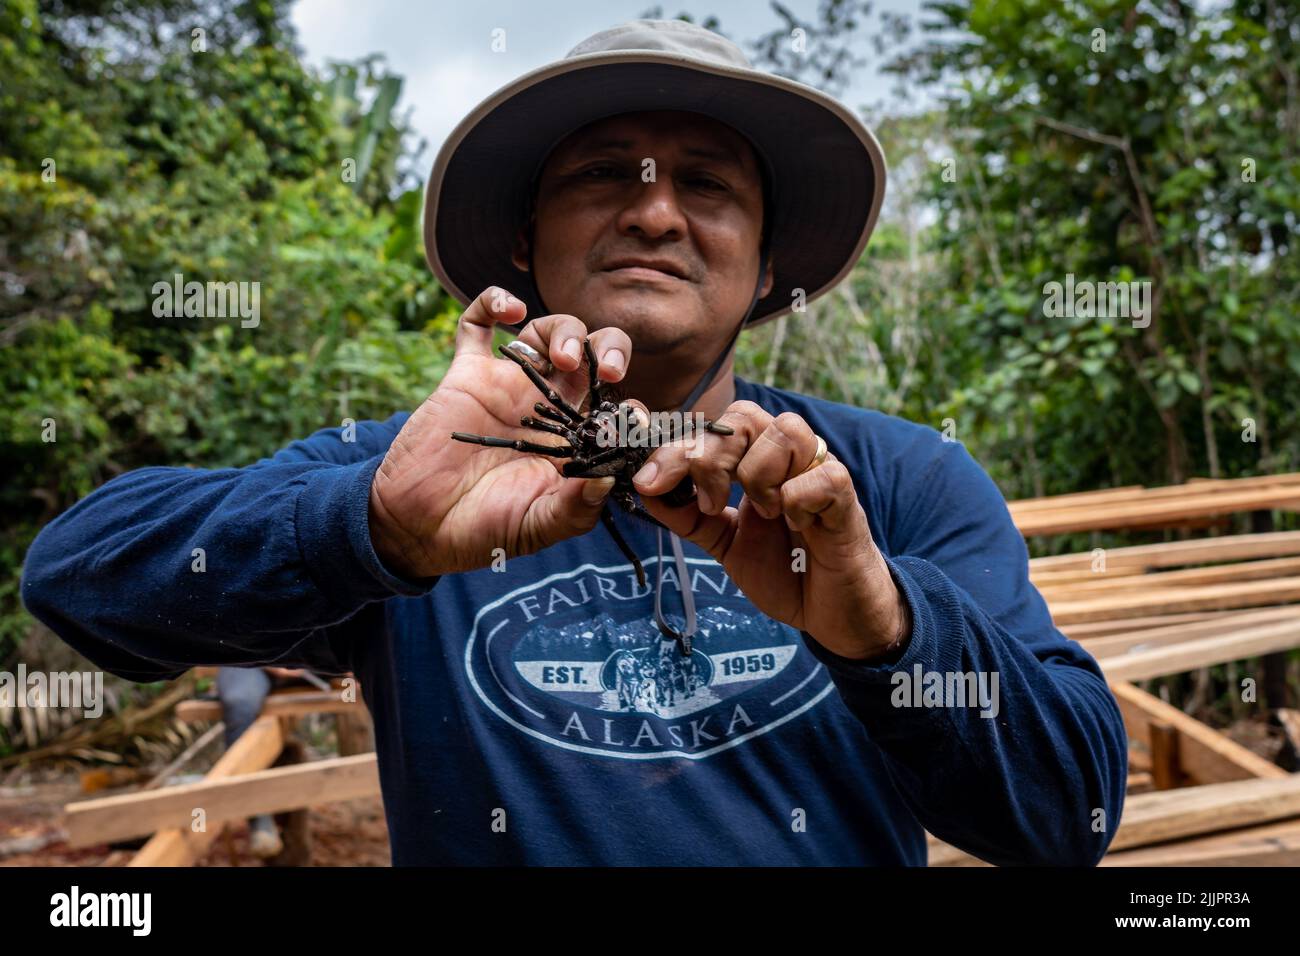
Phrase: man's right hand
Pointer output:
(437, 505)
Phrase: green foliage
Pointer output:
(1116, 164)
(129, 157)
(1048, 156)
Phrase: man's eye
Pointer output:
(703, 182)
(600, 172)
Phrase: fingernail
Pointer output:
(572, 348)
(596, 490)
(646, 475)
(615, 360)
(702, 501)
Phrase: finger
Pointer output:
(713, 533)
(570, 510)
(779, 454)
(824, 500)
(493, 306)
(558, 337)
(613, 348)
(709, 458)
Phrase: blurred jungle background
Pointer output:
(127, 157)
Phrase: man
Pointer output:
(868, 656)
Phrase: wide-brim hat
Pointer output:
(827, 170)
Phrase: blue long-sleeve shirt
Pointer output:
(530, 714)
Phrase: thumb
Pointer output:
(570, 510)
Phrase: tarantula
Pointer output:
(594, 443)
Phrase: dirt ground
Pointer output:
(351, 833)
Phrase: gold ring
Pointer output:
(818, 458)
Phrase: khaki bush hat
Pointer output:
(826, 170)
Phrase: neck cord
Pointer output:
(683, 637)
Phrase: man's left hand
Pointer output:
(839, 590)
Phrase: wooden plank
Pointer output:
(1146, 513)
(1049, 578)
(1215, 574)
(1204, 652)
(1274, 844)
(1172, 814)
(1225, 623)
(223, 800)
(255, 750)
(1251, 481)
(1082, 498)
(1129, 493)
(280, 703)
(1209, 597)
(1087, 630)
(945, 854)
(1165, 773)
(1205, 755)
(1237, 547)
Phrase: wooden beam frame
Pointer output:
(223, 799)
(256, 749)
(1205, 755)
(280, 703)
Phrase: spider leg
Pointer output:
(594, 384)
(581, 467)
(547, 412)
(543, 386)
(608, 520)
(529, 422)
(554, 451)
(609, 454)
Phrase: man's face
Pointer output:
(672, 261)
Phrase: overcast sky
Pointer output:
(443, 48)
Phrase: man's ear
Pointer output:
(769, 278)
(519, 251)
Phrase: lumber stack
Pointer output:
(186, 820)
(1196, 798)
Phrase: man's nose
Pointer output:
(653, 212)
